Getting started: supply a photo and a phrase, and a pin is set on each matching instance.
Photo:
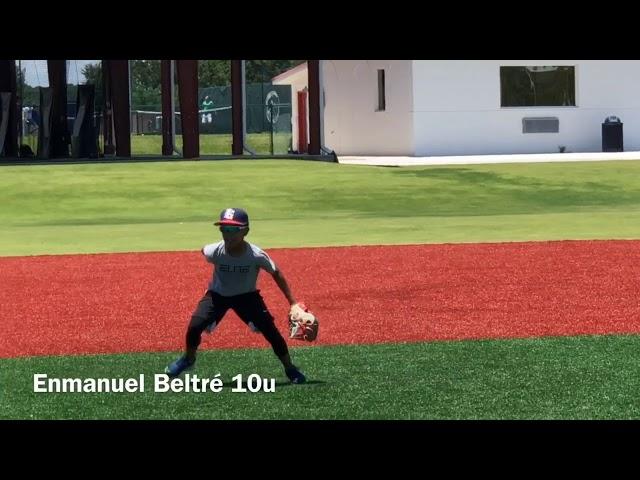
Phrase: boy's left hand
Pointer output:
(303, 325)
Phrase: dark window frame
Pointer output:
(538, 86)
(382, 94)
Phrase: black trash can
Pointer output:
(612, 140)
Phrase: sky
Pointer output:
(36, 71)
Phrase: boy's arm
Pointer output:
(207, 254)
(284, 286)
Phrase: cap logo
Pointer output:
(229, 213)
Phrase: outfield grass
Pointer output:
(170, 205)
(553, 378)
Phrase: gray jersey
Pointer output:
(236, 275)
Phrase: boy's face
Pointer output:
(233, 236)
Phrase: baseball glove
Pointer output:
(303, 325)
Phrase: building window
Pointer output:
(382, 103)
(537, 86)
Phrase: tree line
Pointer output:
(145, 79)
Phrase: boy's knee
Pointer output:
(197, 323)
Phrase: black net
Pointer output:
(146, 107)
(268, 107)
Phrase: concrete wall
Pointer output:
(352, 126)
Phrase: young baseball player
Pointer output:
(237, 264)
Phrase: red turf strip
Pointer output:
(108, 303)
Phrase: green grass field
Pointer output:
(170, 206)
(552, 378)
(219, 144)
(210, 144)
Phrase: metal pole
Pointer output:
(271, 125)
(21, 105)
(173, 109)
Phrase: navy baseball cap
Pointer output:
(233, 216)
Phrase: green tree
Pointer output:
(214, 73)
(146, 82)
(30, 96)
(92, 73)
(145, 74)
(262, 71)
(145, 85)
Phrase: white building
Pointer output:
(476, 107)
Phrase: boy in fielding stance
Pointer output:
(237, 264)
